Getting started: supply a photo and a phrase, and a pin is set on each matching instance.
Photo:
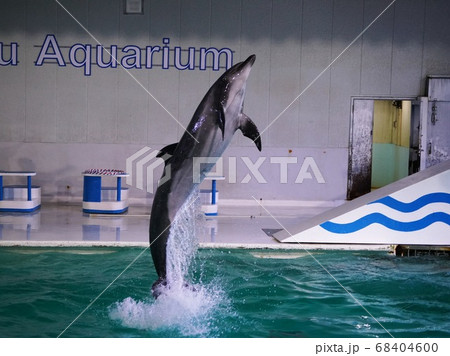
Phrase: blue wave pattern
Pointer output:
(378, 218)
(416, 204)
(387, 222)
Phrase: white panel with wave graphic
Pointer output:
(415, 210)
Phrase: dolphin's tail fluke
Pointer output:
(161, 286)
(158, 287)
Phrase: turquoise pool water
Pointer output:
(238, 293)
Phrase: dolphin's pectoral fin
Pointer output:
(169, 149)
(250, 130)
(221, 120)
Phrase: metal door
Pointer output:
(360, 148)
(436, 123)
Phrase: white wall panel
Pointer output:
(12, 79)
(132, 120)
(256, 26)
(103, 20)
(436, 52)
(195, 27)
(102, 85)
(294, 40)
(407, 45)
(69, 16)
(12, 104)
(226, 19)
(71, 84)
(226, 30)
(284, 73)
(315, 57)
(346, 70)
(41, 81)
(163, 84)
(71, 108)
(102, 107)
(377, 49)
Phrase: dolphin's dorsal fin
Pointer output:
(249, 129)
(169, 149)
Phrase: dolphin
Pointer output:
(210, 131)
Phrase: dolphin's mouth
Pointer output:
(243, 67)
(250, 60)
(248, 63)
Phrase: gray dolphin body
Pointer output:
(217, 118)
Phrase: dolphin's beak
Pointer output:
(250, 60)
(243, 68)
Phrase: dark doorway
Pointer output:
(384, 143)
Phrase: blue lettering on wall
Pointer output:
(191, 59)
(85, 60)
(215, 54)
(12, 61)
(149, 55)
(132, 60)
(111, 52)
(86, 56)
(50, 44)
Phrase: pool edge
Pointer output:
(201, 245)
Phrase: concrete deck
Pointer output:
(235, 227)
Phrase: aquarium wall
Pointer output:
(84, 84)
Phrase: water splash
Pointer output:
(184, 311)
(182, 243)
(188, 308)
